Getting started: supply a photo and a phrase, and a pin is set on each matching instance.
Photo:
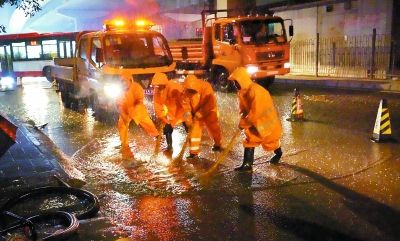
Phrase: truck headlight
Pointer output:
(113, 90)
(286, 65)
(7, 82)
(251, 69)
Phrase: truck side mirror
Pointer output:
(291, 31)
(99, 55)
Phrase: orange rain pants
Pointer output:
(131, 107)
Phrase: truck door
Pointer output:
(82, 62)
(6, 64)
(228, 54)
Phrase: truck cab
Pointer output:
(103, 57)
(258, 43)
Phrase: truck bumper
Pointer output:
(269, 73)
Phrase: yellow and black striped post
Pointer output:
(296, 113)
(382, 129)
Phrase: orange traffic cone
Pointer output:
(382, 129)
(297, 112)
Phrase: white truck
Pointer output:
(93, 76)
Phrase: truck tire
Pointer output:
(64, 92)
(266, 82)
(220, 80)
(100, 114)
(46, 72)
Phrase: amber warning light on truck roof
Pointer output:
(123, 24)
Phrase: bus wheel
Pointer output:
(220, 80)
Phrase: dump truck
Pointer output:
(257, 42)
(93, 76)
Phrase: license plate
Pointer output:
(148, 91)
(273, 72)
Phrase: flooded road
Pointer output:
(333, 183)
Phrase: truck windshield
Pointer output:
(138, 50)
(262, 31)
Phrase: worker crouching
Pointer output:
(168, 104)
(131, 107)
(258, 118)
(201, 105)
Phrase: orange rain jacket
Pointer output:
(168, 102)
(131, 107)
(259, 117)
(202, 108)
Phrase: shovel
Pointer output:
(158, 142)
(224, 153)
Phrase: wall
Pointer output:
(360, 19)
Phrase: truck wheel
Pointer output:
(266, 82)
(47, 73)
(220, 80)
(99, 113)
(66, 100)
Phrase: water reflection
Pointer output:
(35, 99)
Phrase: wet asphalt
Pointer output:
(333, 183)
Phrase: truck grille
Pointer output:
(272, 55)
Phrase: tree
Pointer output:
(30, 7)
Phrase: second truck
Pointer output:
(257, 42)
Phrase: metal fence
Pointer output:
(373, 56)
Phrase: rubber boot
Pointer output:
(168, 138)
(278, 154)
(248, 160)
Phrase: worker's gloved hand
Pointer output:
(198, 116)
(186, 126)
(243, 124)
(168, 129)
(254, 130)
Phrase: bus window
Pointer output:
(61, 48)
(73, 48)
(65, 50)
(19, 50)
(49, 49)
(34, 50)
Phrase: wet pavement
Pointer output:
(333, 183)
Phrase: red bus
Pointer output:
(28, 54)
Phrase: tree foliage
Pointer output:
(30, 7)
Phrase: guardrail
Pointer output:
(369, 56)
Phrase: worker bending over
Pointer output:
(201, 105)
(168, 104)
(131, 107)
(258, 118)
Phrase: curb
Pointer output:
(351, 84)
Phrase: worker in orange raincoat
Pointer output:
(259, 119)
(201, 106)
(131, 107)
(168, 104)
